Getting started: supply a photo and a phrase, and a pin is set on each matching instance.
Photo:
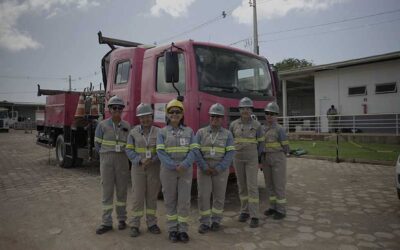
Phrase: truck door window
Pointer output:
(165, 87)
(122, 74)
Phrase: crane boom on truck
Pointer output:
(201, 73)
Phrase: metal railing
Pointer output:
(25, 125)
(368, 123)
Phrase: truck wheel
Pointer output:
(63, 161)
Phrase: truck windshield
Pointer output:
(222, 70)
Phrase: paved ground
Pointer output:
(331, 206)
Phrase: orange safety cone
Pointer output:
(80, 109)
(94, 111)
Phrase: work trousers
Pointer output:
(274, 169)
(246, 167)
(176, 189)
(145, 188)
(114, 170)
(216, 185)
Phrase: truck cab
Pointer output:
(207, 73)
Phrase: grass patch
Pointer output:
(348, 150)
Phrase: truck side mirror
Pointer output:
(275, 76)
(171, 66)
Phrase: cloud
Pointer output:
(10, 11)
(279, 8)
(175, 8)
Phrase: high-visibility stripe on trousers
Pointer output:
(114, 170)
(274, 170)
(177, 207)
(217, 186)
(246, 173)
(145, 188)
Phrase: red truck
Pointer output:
(202, 73)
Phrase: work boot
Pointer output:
(203, 228)
(134, 232)
(184, 237)
(154, 229)
(103, 229)
(121, 225)
(279, 216)
(173, 236)
(215, 226)
(269, 212)
(254, 223)
(243, 217)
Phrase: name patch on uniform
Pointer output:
(148, 154)
(183, 141)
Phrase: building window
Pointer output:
(361, 90)
(384, 88)
(122, 75)
(165, 87)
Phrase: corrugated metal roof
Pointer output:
(354, 62)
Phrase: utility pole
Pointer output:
(69, 81)
(255, 32)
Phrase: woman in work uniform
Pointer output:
(217, 150)
(274, 165)
(110, 140)
(248, 137)
(175, 148)
(145, 173)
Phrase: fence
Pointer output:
(374, 123)
(25, 125)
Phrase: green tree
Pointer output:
(292, 63)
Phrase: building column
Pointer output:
(284, 105)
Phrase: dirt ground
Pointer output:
(330, 206)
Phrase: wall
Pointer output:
(331, 87)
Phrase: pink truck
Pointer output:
(199, 73)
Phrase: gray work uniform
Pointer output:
(176, 147)
(145, 181)
(110, 142)
(216, 151)
(248, 144)
(274, 166)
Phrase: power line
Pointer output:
(329, 32)
(223, 15)
(319, 25)
(329, 23)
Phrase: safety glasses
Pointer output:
(175, 111)
(117, 108)
(270, 113)
(216, 116)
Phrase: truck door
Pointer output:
(120, 80)
(164, 91)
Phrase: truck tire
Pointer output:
(62, 160)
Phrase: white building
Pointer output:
(365, 86)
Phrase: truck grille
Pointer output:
(235, 114)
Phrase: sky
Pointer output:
(45, 41)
